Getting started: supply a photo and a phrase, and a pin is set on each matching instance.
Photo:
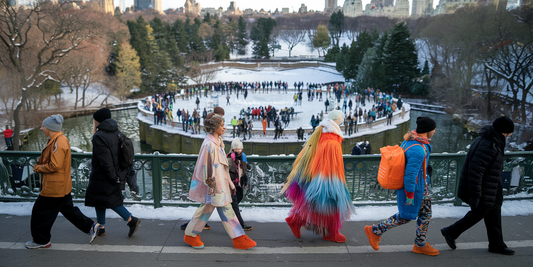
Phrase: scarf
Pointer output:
(421, 139)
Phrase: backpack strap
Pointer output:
(424, 172)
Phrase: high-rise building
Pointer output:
(401, 10)
(302, 9)
(233, 9)
(148, 4)
(108, 6)
(331, 6)
(422, 8)
(352, 8)
(284, 10)
(191, 6)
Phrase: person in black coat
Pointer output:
(480, 186)
(107, 179)
(237, 172)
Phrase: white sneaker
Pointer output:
(94, 232)
(33, 245)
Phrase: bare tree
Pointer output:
(292, 38)
(201, 74)
(82, 68)
(36, 37)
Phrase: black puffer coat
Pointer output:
(481, 176)
(103, 190)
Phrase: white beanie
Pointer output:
(236, 143)
(337, 116)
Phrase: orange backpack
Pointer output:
(392, 166)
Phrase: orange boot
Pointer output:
(294, 227)
(194, 242)
(372, 238)
(243, 242)
(337, 237)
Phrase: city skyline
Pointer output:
(317, 5)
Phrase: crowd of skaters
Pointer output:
(337, 96)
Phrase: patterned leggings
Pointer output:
(227, 215)
(422, 222)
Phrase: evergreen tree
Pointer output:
(365, 70)
(332, 54)
(425, 70)
(342, 58)
(165, 39)
(242, 37)
(218, 43)
(261, 36)
(139, 40)
(357, 51)
(336, 26)
(400, 59)
(181, 36)
(377, 77)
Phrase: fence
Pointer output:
(165, 179)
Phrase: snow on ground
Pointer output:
(268, 214)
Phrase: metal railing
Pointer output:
(165, 179)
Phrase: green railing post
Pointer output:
(460, 163)
(157, 181)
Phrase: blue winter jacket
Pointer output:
(414, 158)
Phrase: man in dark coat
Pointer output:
(300, 133)
(107, 179)
(480, 186)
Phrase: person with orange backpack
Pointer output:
(414, 200)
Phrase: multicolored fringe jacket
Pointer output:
(317, 186)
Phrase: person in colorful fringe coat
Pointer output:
(317, 186)
(414, 200)
(211, 185)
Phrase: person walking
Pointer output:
(264, 122)
(107, 178)
(211, 185)
(54, 168)
(237, 172)
(227, 99)
(316, 185)
(414, 200)
(481, 187)
(234, 123)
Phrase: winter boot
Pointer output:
(243, 242)
(336, 237)
(372, 237)
(295, 228)
(133, 224)
(427, 249)
(194, 242)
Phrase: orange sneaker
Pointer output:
(372, 238)
(338, 237)
(427, 249)
(194, 242)
(243, 242)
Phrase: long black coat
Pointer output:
(481, 176)
(103, 190)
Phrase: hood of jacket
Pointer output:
(329, 126)
(490, 133)
(108, 125)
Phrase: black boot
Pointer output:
(133, 224)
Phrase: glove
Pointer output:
(473, 203)
(409, 201)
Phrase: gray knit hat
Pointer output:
(54, 123)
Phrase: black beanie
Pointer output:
(425, 124)
(503, 125)
(102, 114)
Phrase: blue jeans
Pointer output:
(9, 141)
(121, 211)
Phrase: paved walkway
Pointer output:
(160, 243)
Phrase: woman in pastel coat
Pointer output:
(211, 185)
